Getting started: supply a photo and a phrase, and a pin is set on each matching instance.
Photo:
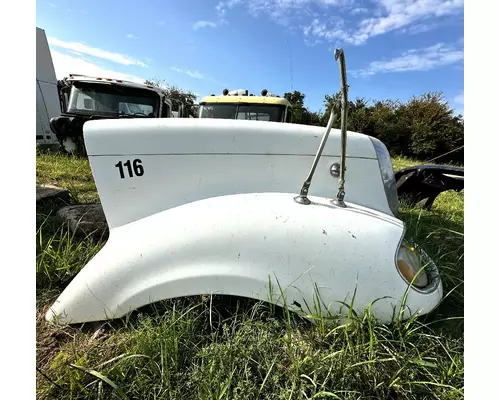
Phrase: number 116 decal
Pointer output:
(133, 168)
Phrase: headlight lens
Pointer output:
(409, 263)
(387, 172)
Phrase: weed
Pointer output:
(233, 348)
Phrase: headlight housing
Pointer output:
(387, 172)
(409, 263)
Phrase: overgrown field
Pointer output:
(229, 348)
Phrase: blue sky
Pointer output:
(394, 48)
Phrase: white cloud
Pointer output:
(76, 53)
(192, 74)
(52, 4)
(223, 6)
(384, 16)
(330, 31)
(65, 64)
(412, 16)
(279, 9)
(204, 24)
(131, 36)
(459, 99)
(160, 23)
(416, 60)
(95, 52)
(283, 12)
(400, 13)
(420, 28)
(359, 10)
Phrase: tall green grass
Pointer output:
(174, 352)
(221, 347)
(69, 172)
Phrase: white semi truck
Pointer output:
(47, 97)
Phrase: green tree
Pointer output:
(177, 95)
(359, 116)
(331, 104)
(315, 118)
(387, 124)
(300, 113)
(424, 127)
(434, 130)
(296, 98)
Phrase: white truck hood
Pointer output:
(215, 136)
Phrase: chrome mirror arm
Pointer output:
(302, 197)
(339, 55)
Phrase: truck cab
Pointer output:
(238, 104)
(113, 98)
(85, 98)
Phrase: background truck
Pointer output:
(238, 104)
(85, 98)
(47, 98)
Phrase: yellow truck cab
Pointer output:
(238, 104)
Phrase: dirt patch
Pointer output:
(48, 343)
(85, 219)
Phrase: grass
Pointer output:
(71, 173)
(234, 348)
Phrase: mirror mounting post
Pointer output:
(339, 201)
(339, 55)
(302, 197)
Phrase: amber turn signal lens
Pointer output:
(406, 270)
(409, 263)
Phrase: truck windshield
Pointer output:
(112, 100)
(256, 112)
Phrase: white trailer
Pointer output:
(47, 97)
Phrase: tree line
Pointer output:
(423, 128)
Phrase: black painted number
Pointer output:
(133, 168)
